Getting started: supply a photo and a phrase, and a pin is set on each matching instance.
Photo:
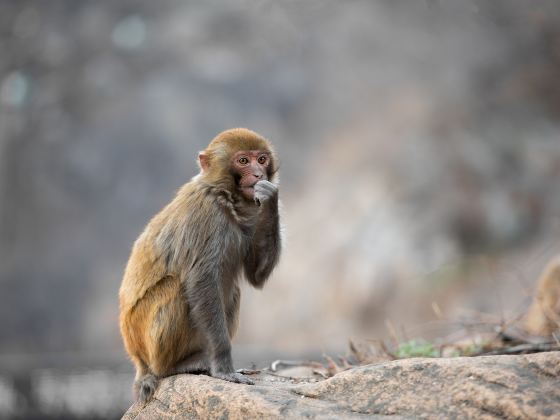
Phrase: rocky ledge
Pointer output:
(486, 387)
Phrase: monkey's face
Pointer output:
(250, 167)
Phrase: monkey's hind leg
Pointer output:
(145, 383)
(196, 363)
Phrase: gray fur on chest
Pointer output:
(218, 236)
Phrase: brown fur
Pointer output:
(543, 317)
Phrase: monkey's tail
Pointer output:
(145, 387)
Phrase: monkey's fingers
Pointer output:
(264, 190)
(234, 377)
(244, 371)
(266, 186)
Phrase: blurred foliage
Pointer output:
(417, 348)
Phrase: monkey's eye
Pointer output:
(262, 159)
(243, 160)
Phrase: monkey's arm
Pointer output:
(203, 290)
(264, 252)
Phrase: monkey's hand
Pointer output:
(222, 368)
(265, 191)
(234, 377)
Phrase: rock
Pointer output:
(487, 387)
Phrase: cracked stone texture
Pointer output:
(512, 387)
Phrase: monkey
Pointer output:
(543, 317)
(179, 298)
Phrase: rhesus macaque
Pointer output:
(543, 317)
(179, 298)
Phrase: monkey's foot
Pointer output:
(234, 377)
(145, 387)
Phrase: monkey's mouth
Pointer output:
(248, 187)
(247, 190)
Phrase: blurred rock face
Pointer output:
(410, 135)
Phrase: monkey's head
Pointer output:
(237, 159)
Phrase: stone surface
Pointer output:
(513, 387)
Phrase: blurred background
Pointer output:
(420, 168)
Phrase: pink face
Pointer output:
(251, 167)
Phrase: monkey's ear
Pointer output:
(203, 161)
